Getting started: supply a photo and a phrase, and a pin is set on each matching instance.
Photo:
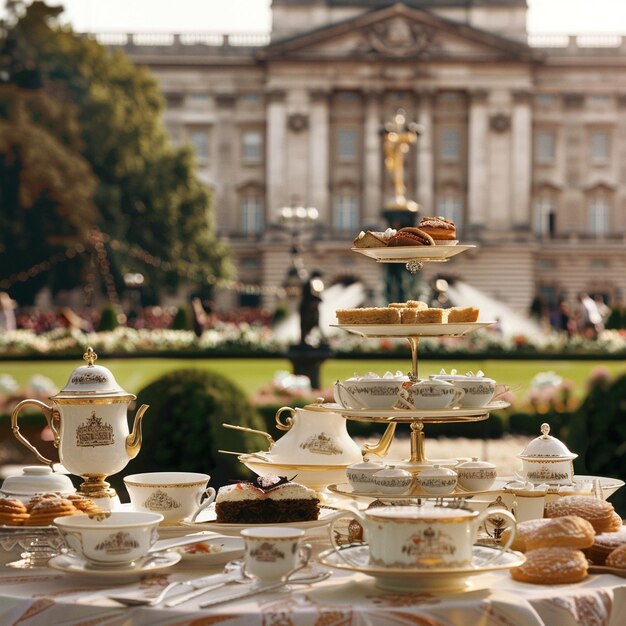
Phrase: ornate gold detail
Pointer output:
(160, 501)
(428, 548)
(118, 543)
(320, 444)
(94, 432)
(401, 37)
(267, 553)
(90, 356)
(88, 379)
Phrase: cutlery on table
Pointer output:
(206, 583)
(605, 569)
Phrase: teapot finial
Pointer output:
(545, 430)
(90, 356)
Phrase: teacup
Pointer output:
(430, 395)
(420, 537)
(375, 394)
(475, 475)
(175, 495)
(116, 540)
(437, 480)
(271, 553)
(393, 481)
(479, 391)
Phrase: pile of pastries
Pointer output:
(43, 508)
(431, 231)
(410, 312)
(573, 531)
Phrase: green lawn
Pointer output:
(252, 374)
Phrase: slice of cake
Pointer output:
(431, 316)
(458, 314)
(266, 500)
(367, 315)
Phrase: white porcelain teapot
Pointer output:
(313, 437)
(88, 418)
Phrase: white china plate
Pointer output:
(72, 564)
(347, 490)
(229, 548)
(206, 521)
(608, 485)
(402, 254)
(394, 579)
(166, 531)
(413, 330)
(417, 413)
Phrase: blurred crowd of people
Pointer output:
(587, 316)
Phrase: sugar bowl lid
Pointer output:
(37, 479)
(92, 380)
(437, 471)
(546, 447)
(475, 463)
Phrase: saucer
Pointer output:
(73, 564)
(407, 579)
(206, 521)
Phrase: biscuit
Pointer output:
(616, 523)
(552, 566)
(416, 304)
(598, 512)
(570, 531)
(411, 236)
(369, 239)
(604, 544)
(617, 558)
(372, 315)
(439, 228)
(460, 314)
(431, 316)
(45, 511)
(524, 530)
(12, 512)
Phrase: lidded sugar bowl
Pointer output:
(88, 419)
(546, 459)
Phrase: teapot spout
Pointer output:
(133, 441)
(382, 447)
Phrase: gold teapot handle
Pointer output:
(288, 421)
(53, 417)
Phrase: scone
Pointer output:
(12, 512)
(416, 304)
(598, 512)
(443, 231)
(552, 566)
(410, 236)
(524, 530)
(460, 314)
(617, 558)
(372, 315)
(604, 544)
(570, 531)
(369, 239)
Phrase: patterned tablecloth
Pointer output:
(41, 597)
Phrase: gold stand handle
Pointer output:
(53, 418)
(245, 429)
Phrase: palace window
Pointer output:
(600, 146)
(450, 145)
(251, 146)
(347, 145)
(544, 217)
(198, 100)
(598, 216)
(450, 207)
(545, 147)
(200, 140)
(251, 215)
(346, 214)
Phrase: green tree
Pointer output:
(155, 215)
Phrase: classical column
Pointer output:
(319, 155)
(276, 148)
(425, 155)
(521, 160)
(226, 168)
(477, 155)
(372, 161)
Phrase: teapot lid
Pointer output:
(546, 447)
(92, 380)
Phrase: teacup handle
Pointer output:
(331, 534)
(352, 403)
(500, 513)
(210, 496)
(404, 400)
(53, 417)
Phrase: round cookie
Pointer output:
(598, 512)
(552, 566)
(45, 511)
(12, 512)
(604, 544)
(617, 558)
(570, 531)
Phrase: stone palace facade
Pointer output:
(523, 143)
